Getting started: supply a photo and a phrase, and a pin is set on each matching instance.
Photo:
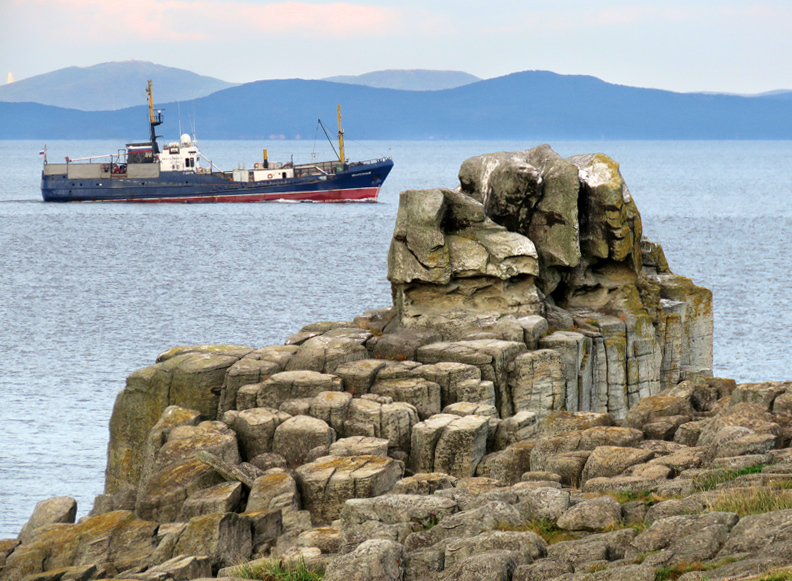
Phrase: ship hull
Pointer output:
(359, 183)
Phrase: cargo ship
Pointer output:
(179, 172)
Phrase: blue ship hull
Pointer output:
(359, 182)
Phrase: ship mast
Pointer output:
(154, 120)
(341, 155)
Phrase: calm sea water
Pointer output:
(91, 292)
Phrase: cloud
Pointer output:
(110, 21)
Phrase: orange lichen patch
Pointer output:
(97, 539)
(176, 476)
(276, 479)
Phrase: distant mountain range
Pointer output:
(118, 85)
(110, 86)
(409, 80)
(531, 105)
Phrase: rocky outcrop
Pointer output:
(569, 236)
(536, 404)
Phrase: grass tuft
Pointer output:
(546, 529)
(752, 500)
(711, 481)
(278, 570)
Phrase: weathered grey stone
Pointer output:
(487, 517)
(247, 398)
(358, 376)
(326, 484)
(59, 509)
(117, 538)
(606, 461)
(223, 537)
(275, 490)
(569, 466)
(397, 508)
(245, 473)
(295, 437)
(688, 434)
(224, 497)
(325, 353)
(402, 343)
(424, 483)
(575, 349)
(674, 507)
(756, 532)
(534, 327)
(177, 472)
(549, 446)
(736, 441)
(610, 436)
(591, 515)
(255, 429)
(300, 406)
(172, 417)
(744, 415)
(186, 377)
(540, 476)
(520, 427)
(425, 436)
(326, 539)
(667, 531)
(331, 407)
(763, 394)
(269, 460)
(494, 565)
(374, 560)
(423, 394)
(537, 381)
(265, 525)
(492, 357)
(543, 570)
(423, 565)
(654, 408)
(451, 376)
(524, 547)
(509, 465)
(561, 421)
(295, 384)
(390, 421)
(353, 536)
(246, 371)
(360, 446)
(182, 567)
(461, 446)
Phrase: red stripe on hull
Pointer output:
(353, 195)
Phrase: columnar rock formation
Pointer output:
(539, 359)
(528, 235)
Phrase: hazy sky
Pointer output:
(682, 45)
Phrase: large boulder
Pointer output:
(327, 483)
(223, 537)
(381, 418)
(295, 384)
(454, 270)
(374, 560)
(191, 378)
(118, 538)
(255, 429)
(449, 444)
(176, 472)
(297, 436)
(60, 509)
(325, 353)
